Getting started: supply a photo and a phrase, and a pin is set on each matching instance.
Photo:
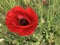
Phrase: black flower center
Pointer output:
(23, 22)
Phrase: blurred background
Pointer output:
(48, 29)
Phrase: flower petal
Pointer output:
(32, 14)
(17, 9)
(27, 31)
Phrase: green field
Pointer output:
(47, 31)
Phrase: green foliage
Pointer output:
(48, 30)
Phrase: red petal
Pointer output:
(27, 31)
(32, 14)
(18, 10)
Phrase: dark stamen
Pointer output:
(23, 22)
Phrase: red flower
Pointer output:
(22, 21)
(45, 2)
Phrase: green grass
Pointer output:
(48, 30)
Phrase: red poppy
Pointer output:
(22, 21)
(45, 2)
